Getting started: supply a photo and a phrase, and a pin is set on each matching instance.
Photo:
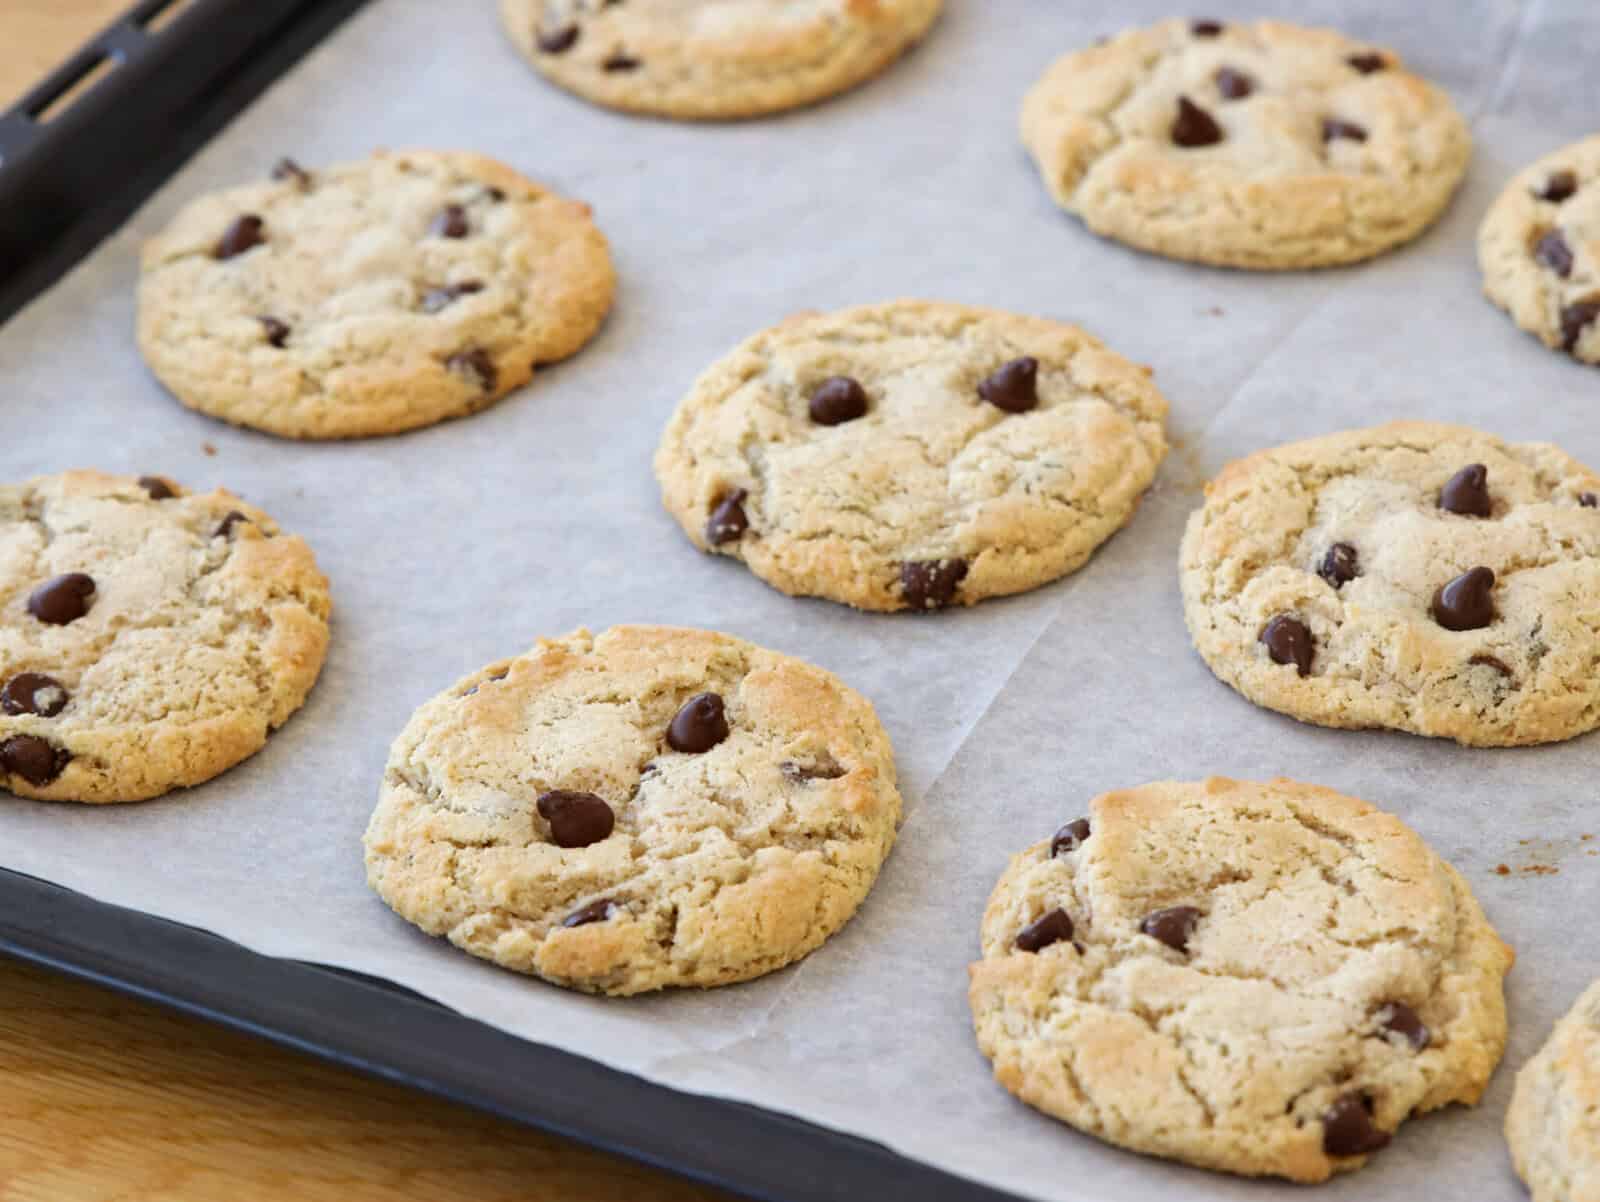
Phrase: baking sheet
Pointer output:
(460, 544)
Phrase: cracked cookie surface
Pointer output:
(369, 297)
(1251, 144)
(1553, 1125)
(708, 843)
(1539, 249)
(150, 638)
(1265, 979)
(913, 454)
(1336, 580)
(713, 59)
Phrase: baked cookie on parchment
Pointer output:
(370, 297)
(1265, 979)
(1553, 1125)
(647, 807)
(1254, 144)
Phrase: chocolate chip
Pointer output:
(33, 693)
(558, 41)
(1288, 641)
(62, 599)
(1333, 128)
(1367, 62)
(1014, 386)
(576, 819)
(621, 62)
(1400, 1019)
(287, 168)
(1339, 565)
(1467, 602)
(1575, 318)
(1588, 500)
(1194, 126)
(1172, 926)
(449, 222)
(699, 725)
(225, 526)
(1070, 837)
(1054, 927)
(1205, 29)
(837, 400)
(1234, 85)
(1467, 492)
(435, 299)
(931, 583)
(157, 488)
(477, 364)
(1558, 187)
(728, 519)
(1347, 1128)
(32, 758)
(239, 237)
(495, 195)
(595, 911)
(277, 333)
(1553, 252)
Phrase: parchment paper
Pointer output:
(462, 543)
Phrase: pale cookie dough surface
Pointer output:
(722, 865)
(713, 59)
(201, 635)
(1553, 1126)
(1380, 658)
(1275, 192)
(1317, 914)
(989, 501)
(1539, 248)
(380, 295)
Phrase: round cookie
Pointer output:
(644, 808)
(370, 297)
(150, 638)
(1553, 1125)
(1539, 248)
(1264, 979)
(713, 59)
(1414, 576)
(1252, 144)
(912, 455)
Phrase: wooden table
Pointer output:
(104, 1099)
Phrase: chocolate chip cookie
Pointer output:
(643, 808)
(1539, 248)
(912, 455)
(1419, 577)
(1265, 979)
(150, 637)
(370, 297)
(1553, 1126)
(713, 59)
(1246, 144)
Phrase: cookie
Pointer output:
(1414, 576)
(1539, 248)
(644, 808)
(371, 297)
(1252, 144)
(912, 455)
(150, 637)
(1553, 1126)
(713, 59)
(1265, 979)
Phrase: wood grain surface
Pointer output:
(105, 1099)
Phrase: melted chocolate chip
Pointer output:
(1234, 85)
(32, 758)
(157, 488)
(287, 168)
(931, 583)
(1333, 128)
(1575, 318)
(475, 363)
(1070, 837)
(1347, 1128)
(837, 400)
(1193, 126)
(1397, 1018)
(595, 911)
(276, 331)
(1288, 641)
(225, 526)
(699, 725)
(557, 41)
(62, 599)
(435, 299)
(245, 232)
(33, 693)
(621, 62)
(1467, 492)
(576, 819)
(1553, 252)
(1558, 187)
(1172, 926)
(1205, 28)
(1014, 386)
(1367, 62)
(1589, 500)
(1054, 927)
(1340, 565)
(449, 222)
(1467, 602)
(728, 520)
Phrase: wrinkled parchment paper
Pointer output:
(459, 544)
